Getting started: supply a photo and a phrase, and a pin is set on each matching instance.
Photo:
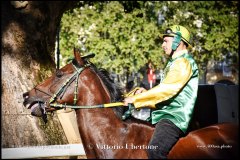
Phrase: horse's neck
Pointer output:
(101, 129)
(103, 133)
(97, 127)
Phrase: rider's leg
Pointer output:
(166, 134)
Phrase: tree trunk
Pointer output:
(28, 32)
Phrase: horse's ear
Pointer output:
(77, 56)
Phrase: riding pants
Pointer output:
(165, 135)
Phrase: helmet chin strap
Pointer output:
(169, 58)
(171, 54)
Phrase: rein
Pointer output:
(107, 105)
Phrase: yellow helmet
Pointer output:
(173, 30)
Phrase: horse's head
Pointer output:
(73, 84)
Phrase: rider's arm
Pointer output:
(175, 79)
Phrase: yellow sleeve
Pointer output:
(178, 75)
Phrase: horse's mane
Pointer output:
(116, 93)
(114, 89)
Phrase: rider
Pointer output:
(173, 100)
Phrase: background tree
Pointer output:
(28, 31)
(126, 34)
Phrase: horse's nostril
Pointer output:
(25, 95)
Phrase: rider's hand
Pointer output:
(127, 100)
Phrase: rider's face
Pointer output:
(167, 45)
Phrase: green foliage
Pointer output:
(125, 34)
(120, 40)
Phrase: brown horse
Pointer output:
(104, 134)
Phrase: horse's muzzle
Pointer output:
(30, 101)
(25, 97)
(37, 106)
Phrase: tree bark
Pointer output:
(28, 31)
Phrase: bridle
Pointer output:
(63, 88)
(78, 70)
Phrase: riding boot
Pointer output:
(165, 135)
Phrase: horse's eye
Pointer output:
(59, 73)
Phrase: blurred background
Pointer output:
(125, 36)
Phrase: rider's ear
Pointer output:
(77, 56)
